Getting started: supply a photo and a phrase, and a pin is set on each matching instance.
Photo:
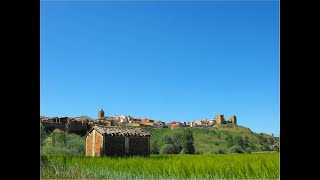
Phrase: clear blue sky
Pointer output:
(169, 61)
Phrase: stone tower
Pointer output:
(101, 114)
(233, 119)
(219, 119)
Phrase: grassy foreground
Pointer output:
(205, 166)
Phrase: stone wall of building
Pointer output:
(115, 145)
(98, 149)
(139, 146)
(233, 119)
(77, 127)
(220, 119)
(89, 144)
(70, 126)
(51, 126)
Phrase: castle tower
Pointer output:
(219, 119)
(101, 114)
(233, 119)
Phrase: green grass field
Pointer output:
(204, 166)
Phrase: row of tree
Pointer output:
(179, 143)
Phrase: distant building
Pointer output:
(70, 125)
(123, 118)
(188, 124)
(116, 141)
(219, 119)
(202, 123)
(158, 124)
(233, 119)
(101, 114)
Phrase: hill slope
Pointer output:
(220, 138)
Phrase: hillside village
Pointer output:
(80, 125)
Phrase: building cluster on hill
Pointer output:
(68, 124)
(81, 125)
(123, 120)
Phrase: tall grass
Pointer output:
(216, 166)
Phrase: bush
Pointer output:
(188, 141)
(167, 149)
(183, 151)
(248, 150)
(235, 149)
(43, 135)
(265, 147)
(65, 143)
(221, 151)
(154, 147)
(238, 141)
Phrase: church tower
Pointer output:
(101, 114)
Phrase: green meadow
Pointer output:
(164, 166)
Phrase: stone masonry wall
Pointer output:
(89, 143)
(52, 126)
(115, 145)
(99, 144)
(139, 146)
(77, 128)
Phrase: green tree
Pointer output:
(246, 141)
(236, 149)
(229, 139)
(65, 143)
(183, 151)
(252, 146)
(53, 138)
(238, 141)
(221, 151)
(167, 149)
(177, 142)
(271, 140)
(188, 142)
(154, 147)
(43, 134)
(265, 147)
(167, 139)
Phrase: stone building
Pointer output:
(101, 114)
(116, 141)
(123, 118)
(220, 119)
(233, 119)
(70, 125)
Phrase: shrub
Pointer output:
(248, 150)
(188, 141)
(154, 147)
(238, 141)
(183, 151)
(265, 147)
(65, 143)
(221, 151)
(235, 149)
(167, 149)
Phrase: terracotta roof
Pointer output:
(118, 131)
